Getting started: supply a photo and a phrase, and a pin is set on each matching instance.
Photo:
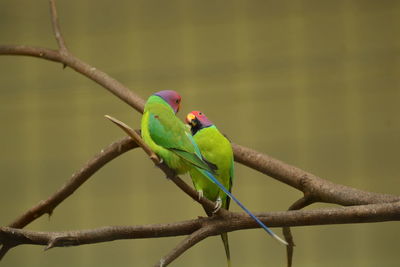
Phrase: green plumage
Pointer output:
(168, 136)
(171, 140)
(217, 150)
(211, 169)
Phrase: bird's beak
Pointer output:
(190, 119)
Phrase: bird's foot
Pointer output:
(201, 194)
(218, 205)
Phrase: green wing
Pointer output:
(167, 131)
(193, 159)
(217, 150)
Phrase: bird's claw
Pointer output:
(218, 205)
(200, 192)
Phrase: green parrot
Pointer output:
(168, 136)
(216, 149)
(172, 141)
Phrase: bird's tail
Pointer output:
(224, 237)
(218, 183)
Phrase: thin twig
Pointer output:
(112, 85)
(299, 204)
(186, 244)
(4, 249)
(136, 137)
(56, 28)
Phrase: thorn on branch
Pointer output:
(50, 245)
(49, 213)
(162, 263)
(62, 241)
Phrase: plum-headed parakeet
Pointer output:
(216, 149)
(171, 140)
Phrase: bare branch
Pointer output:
(81, 67)
(136, 137)
(186, 244)
(4, 249)
(299, 204)
(103, 234)
(315, 187)
(56, 28)
(47, 206)
(215, 225)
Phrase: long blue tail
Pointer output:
(218, 183)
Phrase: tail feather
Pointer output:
(218, 183)
(224, 237)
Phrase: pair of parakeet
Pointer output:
(203, 151)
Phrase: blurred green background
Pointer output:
(313, 83)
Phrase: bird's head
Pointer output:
(197, 121)
(172, 98)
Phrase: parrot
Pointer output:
(172, 141)
(216, 149)
(167, 135)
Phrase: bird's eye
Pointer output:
(200, 113)
(177, 101)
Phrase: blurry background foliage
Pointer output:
(313, 83)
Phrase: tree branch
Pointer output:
(299, 204)
(215, 225)
(91, 167)
(318, 189)
(187, 243)
(79, 66)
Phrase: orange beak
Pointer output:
(189, 118)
